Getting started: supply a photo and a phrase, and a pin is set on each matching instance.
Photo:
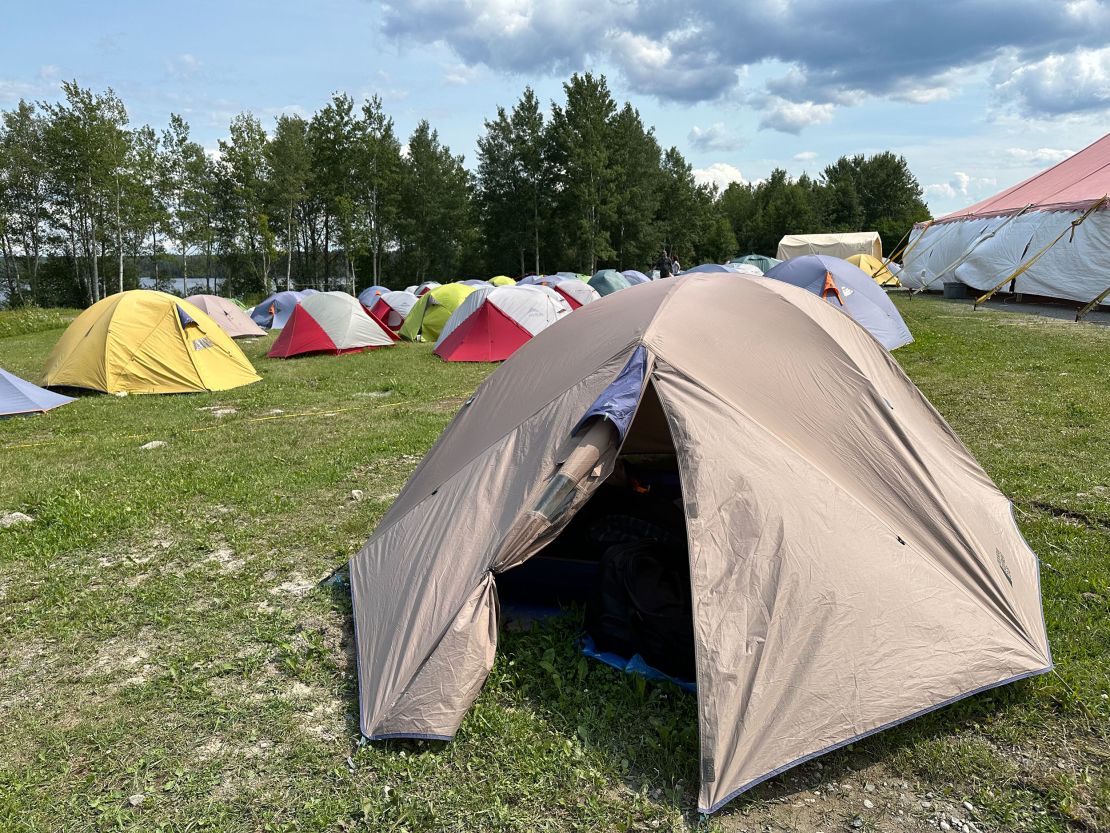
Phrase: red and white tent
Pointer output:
(491, 323)
(392, 308)
(1025, 231)
(577, 293)
(330, 322)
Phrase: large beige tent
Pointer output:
(231, 318)
(834, 245)
(851, 565)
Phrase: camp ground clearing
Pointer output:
(176, 652)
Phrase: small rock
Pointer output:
(870, 805)
(969, 807)
(926, 805)
(14, 519)
(869, 787)
(153, 444)
(944, 825)
(121, 393)
(274, 412)
(856, 823)
(356, 495)
(137, 798)
(847, 788)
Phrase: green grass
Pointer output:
(26, 320)
(164, 630)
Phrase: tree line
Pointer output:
(90, 203)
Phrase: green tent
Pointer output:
(608, 281)
(426, 319)
(760, 262)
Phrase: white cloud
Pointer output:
(459, 75)
(805, 156)
(1058, 84)
(720, 174)
(716, 137)
(794, 116)
(960, 185)
(1040, 156)
(183, 66)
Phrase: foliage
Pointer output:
(90, 205)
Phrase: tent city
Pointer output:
(555, 416)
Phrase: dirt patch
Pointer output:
(817, 798)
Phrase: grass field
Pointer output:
(174, 655)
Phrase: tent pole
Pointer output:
(1073, 225)
(960, 260)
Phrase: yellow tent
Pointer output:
(874, 267)
(427, 317)
(146, 342)
(502, 280)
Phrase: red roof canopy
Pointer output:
(1074, 184)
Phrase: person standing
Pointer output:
(676, 267)
(663, 265)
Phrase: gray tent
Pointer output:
(851, 565)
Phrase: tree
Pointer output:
(333, 135)
(86, 152)
(23, 199)
(377, 178)
(436, 226)
(638, 185)
(580, 134)
(244, 161)
(186, 189)
(685, 208)
(290, 164)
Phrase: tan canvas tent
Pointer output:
(834, 245)
(851, 565)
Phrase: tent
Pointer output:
(274, 311)
(541, 280)
(834, 245)
(502, 280)
(475, 282)
(576, 293)
(431, 311)
(492, 322)
(18, 396)
(1028, 225)
(850, 565)
(760, 262)
(874, 267)
(330, 322)
(369, 296)
(608, 281)
(714, 268)
(573, 275)
(392, 308)
(849, 289)
(224, 312)
(424, 287)
(142, 341)
(634, 277)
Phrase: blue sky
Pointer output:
(977, 94)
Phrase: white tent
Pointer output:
(1029, 225)
(835, 245)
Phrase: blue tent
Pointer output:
(273, 312)
(18, 396)
(369, 296)
(849, 289)
(634, 277)
(713, 267)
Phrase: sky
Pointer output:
(976, 94)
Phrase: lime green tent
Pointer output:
(502, 280)
(426, 319)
